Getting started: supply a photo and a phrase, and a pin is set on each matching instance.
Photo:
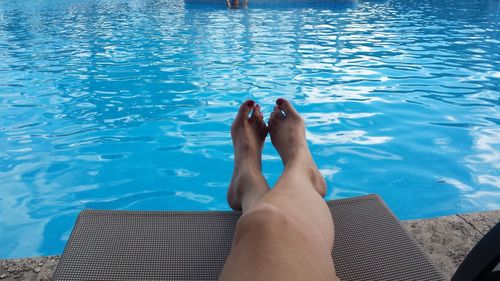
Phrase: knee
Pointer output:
(265, 219)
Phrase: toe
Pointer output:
(287, 107)
(272, 124)
(260, 115)
(263, 130)
(244, 110)
(256, 110)
(275, 116)
(271, 129)
(277, 113)
(256, 114)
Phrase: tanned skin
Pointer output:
(284, 233)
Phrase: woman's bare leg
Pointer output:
(248, 135)
(286, 234)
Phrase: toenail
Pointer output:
(280, 101)
(250, 103)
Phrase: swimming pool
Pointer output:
(117, 104)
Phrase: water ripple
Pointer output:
(128, 104)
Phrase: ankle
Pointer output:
(247, 170)
(299, 156)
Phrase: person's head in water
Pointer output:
(236, 3)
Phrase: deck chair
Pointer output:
(370, 244)
(483, 261)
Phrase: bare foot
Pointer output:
(248, 135)
(288, 136)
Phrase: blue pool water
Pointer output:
(118, 104)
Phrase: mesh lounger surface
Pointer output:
(370, 244)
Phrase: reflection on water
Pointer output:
(127, 104)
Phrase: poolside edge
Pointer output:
(446, 240)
